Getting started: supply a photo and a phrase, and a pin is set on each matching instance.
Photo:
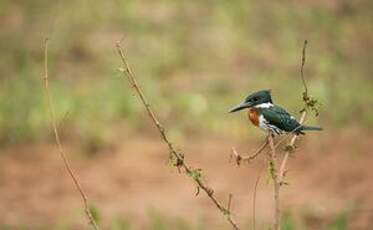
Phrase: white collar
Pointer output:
(264, 105)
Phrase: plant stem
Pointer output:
(276, 184)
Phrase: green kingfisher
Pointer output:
(269, 117)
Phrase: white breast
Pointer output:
(263, 123)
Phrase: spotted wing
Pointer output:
(278, 117)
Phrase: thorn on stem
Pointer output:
(230, 202)
(197, 191)
(236, 156)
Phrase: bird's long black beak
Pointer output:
(241, 106)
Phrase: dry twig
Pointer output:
(59, 144)
(254, 196)
(306, 98)
(278, 176)
(305, 93)
(229, 202)
(195, 174)
(276, 183)
(289, 148)
(239, 158)
(278, 173)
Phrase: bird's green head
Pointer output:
(262, 97)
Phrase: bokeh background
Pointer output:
(194, 60)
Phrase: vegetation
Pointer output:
(206, 51)
(197, 58)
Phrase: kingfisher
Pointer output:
(269, 117)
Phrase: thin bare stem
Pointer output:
(290, 146)
(239, 158)
(302, 67)
(276, 184)
(254, 196)
(278, 173)
(59, 144)
(180, 162)
(288, 151)
(278, 176)
(229, 202)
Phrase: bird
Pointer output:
(270, 117)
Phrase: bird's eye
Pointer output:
(255, 99)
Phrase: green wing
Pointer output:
(278, 117)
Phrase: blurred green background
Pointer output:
(194, 60)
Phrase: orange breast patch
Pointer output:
(254, 116)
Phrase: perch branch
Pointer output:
(276, 183)
(279, 174)
(254, 196)
(306, 99)
(288, 150)
(58, 141)
(180, 162)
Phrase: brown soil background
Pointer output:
(325, 178)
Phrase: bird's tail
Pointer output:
(310, 128)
